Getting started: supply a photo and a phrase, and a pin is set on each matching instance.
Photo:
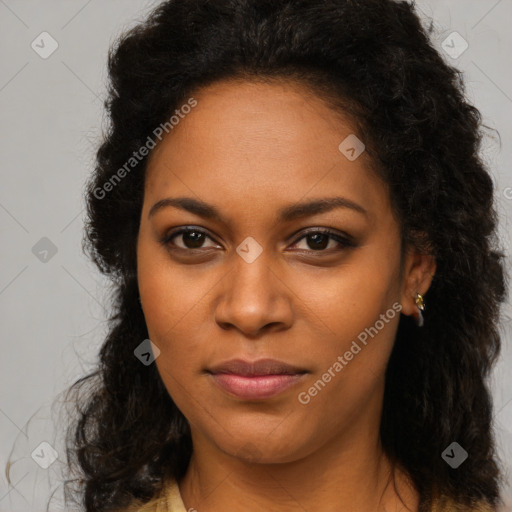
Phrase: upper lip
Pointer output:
(256, 368)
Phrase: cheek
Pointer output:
(172, 322)
(361, 309)
(170, 296)
(170, 307)
(352, 299)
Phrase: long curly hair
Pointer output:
(372, 60)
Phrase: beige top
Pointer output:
(170, 501)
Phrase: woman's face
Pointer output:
(254, 281)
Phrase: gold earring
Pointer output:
(421, 307)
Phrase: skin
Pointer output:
(250, 149)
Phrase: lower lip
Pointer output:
(257, 387)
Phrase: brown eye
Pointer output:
(318, 241)
(192, 238)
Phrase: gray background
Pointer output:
(52, 319)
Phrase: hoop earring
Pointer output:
(421, 307)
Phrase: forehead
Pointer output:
(263, 143)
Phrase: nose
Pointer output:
(252, 298)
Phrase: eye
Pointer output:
(192, 238)
(318, 240)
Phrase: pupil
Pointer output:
(196, 240)
(317, 239)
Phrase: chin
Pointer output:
(261, 451)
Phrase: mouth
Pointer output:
(256, 380)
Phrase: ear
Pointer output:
(418, 272)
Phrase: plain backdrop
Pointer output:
(51, 297)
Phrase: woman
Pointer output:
(301, 236)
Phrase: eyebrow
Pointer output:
(285, 214)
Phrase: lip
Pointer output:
(255, 380)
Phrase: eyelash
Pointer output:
(344, 241)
